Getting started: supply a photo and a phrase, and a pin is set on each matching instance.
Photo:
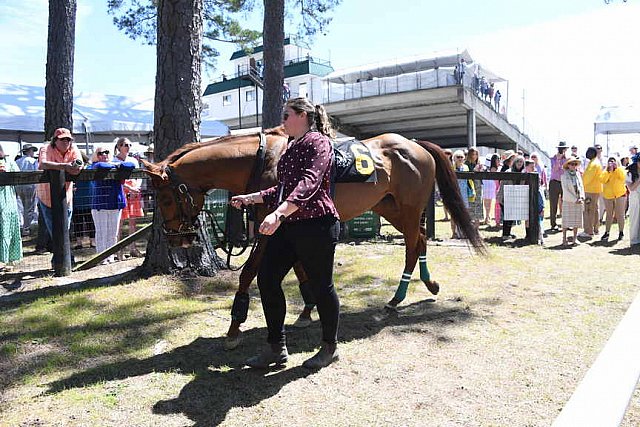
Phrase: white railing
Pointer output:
(603, 395)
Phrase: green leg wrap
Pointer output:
(424, 270)
(401, 293)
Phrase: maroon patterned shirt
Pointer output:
(304, 172)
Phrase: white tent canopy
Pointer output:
(617, 120)
(22, 115)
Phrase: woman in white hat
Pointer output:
(572, 199)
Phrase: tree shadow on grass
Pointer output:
(221, 382)
(25, 297)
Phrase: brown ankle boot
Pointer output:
(327, 354)
(272, 354)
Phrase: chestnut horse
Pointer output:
(406, 173)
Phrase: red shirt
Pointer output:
(304, 172)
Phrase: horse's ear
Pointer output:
(156, 173)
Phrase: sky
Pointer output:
(563, 59)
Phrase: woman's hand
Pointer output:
(241, 200)
(270, 224)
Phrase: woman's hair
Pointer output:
(615, 159)
(96, 149)
(514, 165)
(592, 153)
(495, 161)
(633, 170)
(458, 153)
(469, 154)
(316, 115)
(117, 142)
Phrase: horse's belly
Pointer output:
(352, 199)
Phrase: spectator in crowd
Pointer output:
(593, 192)
(83, 229)
(543, 181)
(59, 154)
(484, 88)
(132, 192)
(633, 150)
(476, 79)
(574, 153)
(107, 202)
(10, 240)
(625, 161)
(491, 92)
(518, 167)
(496, 100)
(465, 187)
(286, 92)
(572, 199)
(475, 203)
(601, 202)
(27, 193)
(614, 192)
(555, 185)
(462, 67)
(489, 186)
(633, 184)
(530, 167)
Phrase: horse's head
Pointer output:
(179, 203)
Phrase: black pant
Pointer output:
(506, 225)
(313, 243)
(555, 192)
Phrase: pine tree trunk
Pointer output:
(273, 41)
(58, 104)
(177, 122)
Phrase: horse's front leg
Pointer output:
(240, 307)
(304, 319)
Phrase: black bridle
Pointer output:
(187, 211)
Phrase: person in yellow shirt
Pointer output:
(615, 195)
(593, 190)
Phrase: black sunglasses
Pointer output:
(125, 145)
(285, 116)
(100, 153)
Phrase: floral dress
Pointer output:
(10, 240)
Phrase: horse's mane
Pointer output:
(187, 148)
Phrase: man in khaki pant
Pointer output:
(593, 190)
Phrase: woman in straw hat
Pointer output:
(572, 199)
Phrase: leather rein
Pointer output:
(187, 211)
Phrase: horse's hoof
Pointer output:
(392, 305)
(433, 287)
(231, 343)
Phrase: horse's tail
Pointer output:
(450, 193)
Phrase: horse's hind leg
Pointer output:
(405, 219)
(425, 276)
(304, 319)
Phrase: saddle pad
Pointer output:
(353, 162)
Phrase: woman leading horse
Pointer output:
(406, 173)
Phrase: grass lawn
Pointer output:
(504, 344)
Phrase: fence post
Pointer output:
(61, 243)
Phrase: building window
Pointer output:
(226, 100)
(250, 95)
(302, 90)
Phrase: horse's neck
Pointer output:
(227, 165)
